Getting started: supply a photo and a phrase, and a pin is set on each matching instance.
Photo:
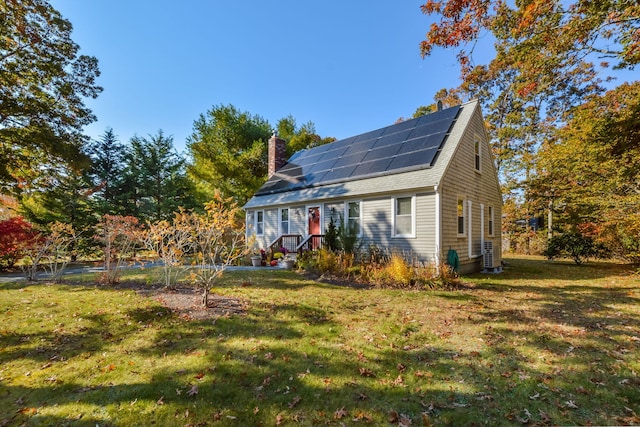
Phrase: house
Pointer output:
(426, 186)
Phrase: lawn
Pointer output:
(541, 344)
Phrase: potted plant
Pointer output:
(256, 259)
(288, 262)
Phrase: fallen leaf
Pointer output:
(571, 404)
(398, 381)
(535, 396)
(193, 390)
(279, 419)
(199, 375)
(340, 414)
(366, 372)
(294, 402)
(404, 421)
(160, 401)
(256, 410)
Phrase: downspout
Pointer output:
(438, 226)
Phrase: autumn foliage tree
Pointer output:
(219, 240)
(119, 236)
(171, 242)
(543, 67)
(592, 170)
(16, 235)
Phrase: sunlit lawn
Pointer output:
(540, 344)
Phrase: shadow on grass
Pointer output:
(548, 355)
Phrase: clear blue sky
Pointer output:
(349, 66)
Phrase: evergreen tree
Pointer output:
(156, 179)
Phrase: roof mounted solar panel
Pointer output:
(369, 135)
(374, 167)
(410, 144)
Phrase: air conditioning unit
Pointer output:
(488, 254)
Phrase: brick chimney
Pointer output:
(277, 154)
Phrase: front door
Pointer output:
(314, 225)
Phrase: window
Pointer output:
(250, 220)
(353, 218)
(259, 223)
(460, 216)
(404, 209)
(284, 221)
(490, 228)
(477, 155)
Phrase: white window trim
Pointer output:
(412, 235)
(470, 228)
(346, 215)
(280, 232)
(256, 222)
(491, 230)
(477, 140)
(481, 226)
(464, 217)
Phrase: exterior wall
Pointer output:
(376, 221)
(461, 180)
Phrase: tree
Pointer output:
(539, 73)
(107, 168)
(228, 150)
(219, 240)
(171, 242)
(592, 169)
(299, 137)
(156, 179)
(16, 235)
(608, 28)
(118, 236)
(43, 81)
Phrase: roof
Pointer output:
(401, 147)
(296, 181)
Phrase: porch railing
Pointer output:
(288, 241)
(313, 241)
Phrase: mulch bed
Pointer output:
(187, 302)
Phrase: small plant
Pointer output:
(331, 236)
(399, 271)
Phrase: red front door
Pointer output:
(314, 225)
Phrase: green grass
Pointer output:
(543, 343)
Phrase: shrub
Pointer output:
(16, 237)
(399, 271)
(573, 245)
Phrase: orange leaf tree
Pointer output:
(219, 241)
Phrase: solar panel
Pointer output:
(339, 173)
(440, 126)
(417, 158)
(410, 144)
(321, 166)
(373, 167)
(358, 147)
(382, 152)
(393, 138)
(334, 153)
(369, 135)
(351, 160)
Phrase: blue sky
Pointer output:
(348, 66)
